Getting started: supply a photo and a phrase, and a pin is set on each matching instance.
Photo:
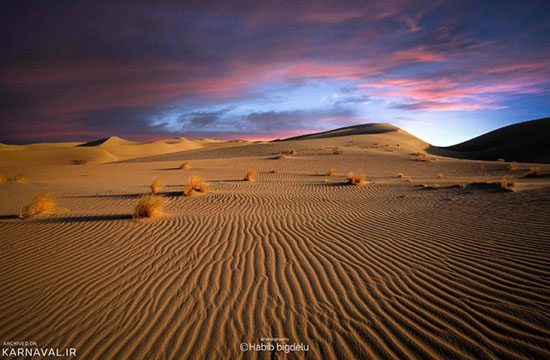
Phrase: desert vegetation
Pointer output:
(3, 178)
(513, 166)
(354, 179)
(457, 184)
(331, 172)
(195, 183)
(41, 203)
(506, 184)
(79, 162)
(148, 206)
(19, 177)
(250, 175)
(430, 186)
(336, 150)
(184, 165)
(156, 186)
(532, 172)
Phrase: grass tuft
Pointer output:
(336, 150)
(354, 179)
(148, 206)
(20, 177)
(440, 176)
(533, 172)
(506, 184)
(430, 187)
(513, 166)
(185, 165)
(41, 203)
(250, 175)
(156, 185)
(195, 183)
(331, 172)
(457, 184)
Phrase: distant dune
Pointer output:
(98, 151)
(524, 142)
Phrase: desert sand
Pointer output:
(395, 268)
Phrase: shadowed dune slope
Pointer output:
(525, 142)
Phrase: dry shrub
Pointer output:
(506, 184)
(354, 179)
(250, 175)
(195, 183)
(273, 171)
(336, 150)
(513, 166)
(401, 175)
(430, 187)
(148, 206)
(156, 185)
(440, 176)
(292, 151)
(185, 165)
(501, 160)
(3, 178)
(79, 162)
(331, 172)
(457, 184)
(41, 203)
(409, 179)
(326, 180)
(484, 181)
(533, 172)
(20, 177)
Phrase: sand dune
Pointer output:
(526, 142)
(98, 151)
(362, 129)
(385, 270)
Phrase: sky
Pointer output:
(445, 71)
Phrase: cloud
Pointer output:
(83, 70)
